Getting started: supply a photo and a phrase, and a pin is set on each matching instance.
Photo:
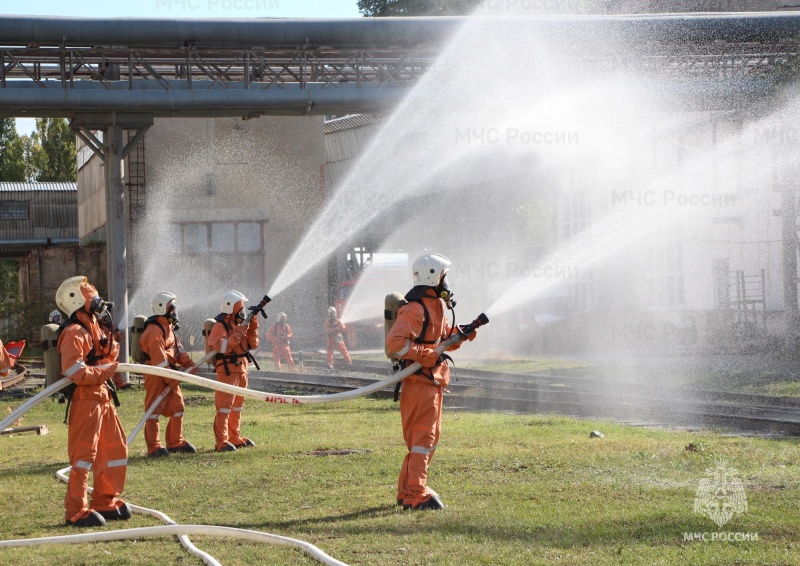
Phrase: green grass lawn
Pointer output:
(519, 489)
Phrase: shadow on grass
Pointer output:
(372, 512)
(29, 470)
(631, 531)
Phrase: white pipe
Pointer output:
(140, 532)
(184, 540)
(33, 401)
(290, 399)
(147, 415)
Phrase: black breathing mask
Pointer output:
(239, 316)
(444, 292)
(99, 306)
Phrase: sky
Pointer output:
(178, 9)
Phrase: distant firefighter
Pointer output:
(233, 340)
(96, 440)
(55, 317)
(335, 336)
(161, 348)
(280, 335)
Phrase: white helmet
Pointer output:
(332, 311)
(282, 315)
(161, 301)
(69, 297)
(55, 317)
(429, 268)
(229, 300)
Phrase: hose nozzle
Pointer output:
(467, 329)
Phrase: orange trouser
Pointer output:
(421, 415)
(172, 406)
(284, 352)
(339, 346)
(96, 442)
(227, 421)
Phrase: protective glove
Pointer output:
(429, 359)
(109, 372)
(470, 337)
(253, 324)
(192, 369)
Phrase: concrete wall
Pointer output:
(44, 269)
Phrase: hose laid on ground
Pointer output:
(172, 528)
(228, 532)
(184, 540)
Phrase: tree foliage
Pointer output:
(386, 8)
(12, 152)
(52, 155)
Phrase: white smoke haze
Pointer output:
(549, 170)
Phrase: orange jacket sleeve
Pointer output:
(252, 333)
(74, 344)
(271, 334)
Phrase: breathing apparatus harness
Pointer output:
(91, 359)
(415, 296)
(233, 358)
(153, 320)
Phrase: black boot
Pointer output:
(187, 448)
(246, 444)
(93, 519)
(159, 453)
(434, 503)
(121, 513)
(227, 447)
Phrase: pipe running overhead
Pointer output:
(381, 32)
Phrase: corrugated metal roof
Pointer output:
(30, 187)
(351, 121)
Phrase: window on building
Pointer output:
(196, 238)
(222, 237)
(14, 210)
(248, 237)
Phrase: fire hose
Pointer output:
(183, 530)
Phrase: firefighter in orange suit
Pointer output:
(280, 334)
(96, 440)
(6, 362)
(163, 349)
(335, 336)
(233, 340)
(420, 326)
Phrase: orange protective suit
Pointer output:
(233, 342)
(421, 397)
(280, 335)
(6, 362)
(96, 440)
(335, 339)
(163, 349)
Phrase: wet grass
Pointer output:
(519, 489)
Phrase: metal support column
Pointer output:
(116, 226)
